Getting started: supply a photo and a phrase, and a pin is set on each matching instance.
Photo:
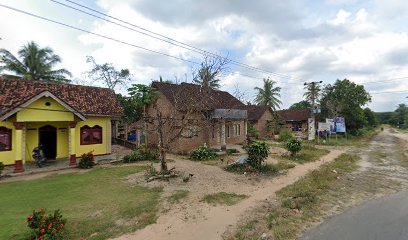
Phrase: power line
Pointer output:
(164, 38)
(109, 38)
(96, 34)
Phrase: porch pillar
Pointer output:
(20, 143)
(246, 127)
(223, 143)
(72, 144)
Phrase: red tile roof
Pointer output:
(255, 112)
(188, 95)
(84, 99)
(294, 115)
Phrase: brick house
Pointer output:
(296, 119)
(68, 120)
(259, 117)
(199, 116)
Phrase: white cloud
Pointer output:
(354, 39)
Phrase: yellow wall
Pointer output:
(104, 147)
(32, 138)
(36, 119)
(32, 114)
(8, 157)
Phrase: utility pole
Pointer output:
(313, 99)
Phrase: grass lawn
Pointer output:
(178, 196)
(99, 203)
(307, 196)
(307, 154)
(224, 198)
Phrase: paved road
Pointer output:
(382, 219)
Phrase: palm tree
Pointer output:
(35, 64)
(312, 93)
(268, 95)
(206, 78)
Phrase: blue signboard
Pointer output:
(340, 124)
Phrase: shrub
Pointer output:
(87, 161)
(257, 152)
(284, 136)
(252, 131)
(141, 155)
(1, 167)
(293, 146)
(46, 227)
(203, 153)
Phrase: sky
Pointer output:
(291, 42)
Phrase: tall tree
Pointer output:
(312, 93)
(268, 95)
(107, 74)
(345, 99)
(301, 105)
(211, 68)
(35, 63)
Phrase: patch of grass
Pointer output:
(308, 153)
(224, 198)
(99, 204)
(301, 202)
(178, 196)
(353, 141)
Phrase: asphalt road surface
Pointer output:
(385, 218)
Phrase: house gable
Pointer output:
(44, 107)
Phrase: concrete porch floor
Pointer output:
(60, 164)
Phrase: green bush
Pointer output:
(1, 167)
(46, 227)
(141, 155)
(285, 135)
(252, 131)
(293, 146)
(257, 152)
(203, 153)
(87, 161)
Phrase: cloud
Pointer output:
(297, 41)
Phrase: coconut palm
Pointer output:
(35, 63)
(312, 93)
(268, 95)
(206, 78)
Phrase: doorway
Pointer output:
(48, 139)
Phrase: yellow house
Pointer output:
(68, 120)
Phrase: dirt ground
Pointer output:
(194, 219)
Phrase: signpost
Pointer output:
(311, 129)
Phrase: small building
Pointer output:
(296, 119)
(67, 120)
(195, 116)
(260, 117)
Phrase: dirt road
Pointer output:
(385, 218)
(200, 221)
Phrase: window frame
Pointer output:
(9, 132)
(90, 131)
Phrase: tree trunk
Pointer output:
(162, 149)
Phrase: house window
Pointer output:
(5, 139)
(239, 129)
(91, 135)
(228, 130)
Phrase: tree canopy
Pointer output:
(107, 73)
(300, 105)
(33, 63)
(345, 99)
(268, 95)
(211, 68)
